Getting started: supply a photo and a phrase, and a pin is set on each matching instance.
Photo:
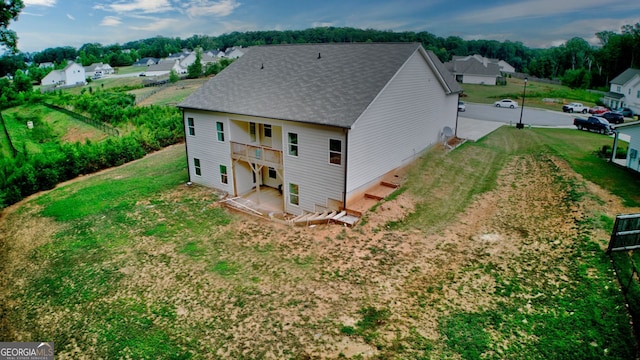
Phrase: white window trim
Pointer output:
(296, 145)
(340, 152)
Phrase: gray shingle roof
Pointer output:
(625, 76)
(329, 84)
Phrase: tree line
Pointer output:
(577, 63)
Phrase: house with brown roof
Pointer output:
(319, 124)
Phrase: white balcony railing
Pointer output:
(257, 154)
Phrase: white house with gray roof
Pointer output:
(475, 69)
(624, 91)
(320, 122)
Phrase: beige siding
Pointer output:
(206, 147)
(318, 180)
(407, 117)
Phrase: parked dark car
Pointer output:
(613, 117)
(593, 123)
(625, 111)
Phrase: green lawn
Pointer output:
(50, 127)
(133, 263)
(535, 93)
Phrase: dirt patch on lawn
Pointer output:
(255, 289)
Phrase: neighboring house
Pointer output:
(164, 68)
(215, 53)
(474, 69)
(148, 61)
(506, 68)
(73, 74)
(632, 130)
(98, 70)
(205, 59)
(322, 123)
(46, 65)
(624, 91)
(234, 52)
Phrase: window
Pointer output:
(293, 144)
(220, 130)
(192, 126)
(272, 173)
(618, 88)
(267, 130)
(224, 178)
(294, 197)
(252, 131)
(335, 151)
(638, 94)
(196, 166)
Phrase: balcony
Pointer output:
(257, 155)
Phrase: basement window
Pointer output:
(294, 196)
(224, 178)
(196, 166)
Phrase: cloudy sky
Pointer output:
(536, 23)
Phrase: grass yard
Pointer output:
(50, 126)
(492, 251)
(536, 93)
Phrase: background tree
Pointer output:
(9, 10)
(173, 76)
(195, 70)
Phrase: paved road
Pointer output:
(530, 116)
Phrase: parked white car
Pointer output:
(508, 103)
(461, 106)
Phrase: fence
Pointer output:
(109, 130)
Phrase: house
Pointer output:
(631, 130)
(506, 68)
(147, 61)
(46, 65)
(164, 68)
(624, 91)
(73, 74)
(474, 69)
(234, 52)
(205, 59)
(98, 70)
(321, 123)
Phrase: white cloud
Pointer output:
(111, 21)
(70, 17)
(156, 26)
(322, 24)
(145, 6)
(48, 3)
(532, 9)
(212, 8)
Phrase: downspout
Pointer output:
(186, 149)
(346, 157)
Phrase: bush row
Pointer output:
(155, 127)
